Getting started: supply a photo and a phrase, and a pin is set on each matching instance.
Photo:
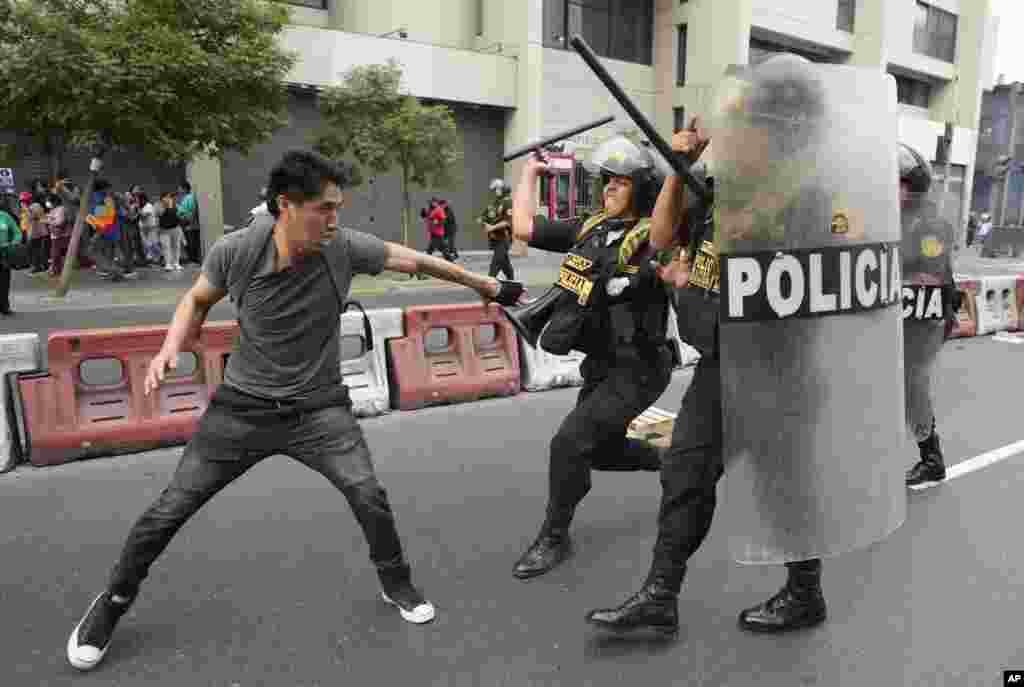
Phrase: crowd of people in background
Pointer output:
(122, 231)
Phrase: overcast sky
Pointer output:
(1010, 47)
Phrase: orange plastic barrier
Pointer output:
(467, 366)
(68, 416)
(967, 318)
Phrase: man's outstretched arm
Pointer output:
(409, 261)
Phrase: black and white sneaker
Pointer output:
(88, 642)
(410, 603)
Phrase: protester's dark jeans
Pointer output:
(227, 443)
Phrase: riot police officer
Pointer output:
(609, 305)
(779, 110)
(929, 295)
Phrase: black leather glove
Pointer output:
(509, 292)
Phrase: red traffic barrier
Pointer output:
(91, 401)
(477, 358)
(966, 323)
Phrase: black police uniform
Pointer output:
(628, 365)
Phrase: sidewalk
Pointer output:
(154, 286)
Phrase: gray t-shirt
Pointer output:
(293, 315)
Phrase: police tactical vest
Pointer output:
(585, 318)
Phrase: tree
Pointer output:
(174, 78)
(383, 129)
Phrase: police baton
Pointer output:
(679, 164)
(555, 138)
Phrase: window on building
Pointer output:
(913, 91)
(678, 118)
(761, 50)
(681, 58)
(935, 33)
(616, 29)
(845, 15)
(315, 4)
(585, 187)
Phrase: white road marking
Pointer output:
(984, 460)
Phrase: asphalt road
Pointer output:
(270, 583)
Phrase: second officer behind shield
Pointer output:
(929, 293)
(609, 305)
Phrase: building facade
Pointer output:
(505, 69)
(999, 179)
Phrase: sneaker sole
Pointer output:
(926, 485)
(73, 643)
(423, 613)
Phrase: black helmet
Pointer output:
(620, 157)
(914, 170)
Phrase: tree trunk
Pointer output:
(406, 207)
(71, 261)
(55, 148)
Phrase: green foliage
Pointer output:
(175, 78)
(369, 119)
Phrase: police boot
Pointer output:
(798, 604)
(551, 547)
(931, 469)
(654, 608)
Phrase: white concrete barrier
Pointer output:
(18, 353)
(997, 304)
(364, 371)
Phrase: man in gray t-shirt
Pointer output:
(288, 274)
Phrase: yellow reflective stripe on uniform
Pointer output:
(590, 224)
(635, 238)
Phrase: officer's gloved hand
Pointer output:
(509, 292)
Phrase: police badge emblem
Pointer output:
(841, 222)
(931, 247)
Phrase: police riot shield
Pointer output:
(808, 234)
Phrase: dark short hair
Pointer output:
(301, 175)
(101, 185)
(185, 185)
